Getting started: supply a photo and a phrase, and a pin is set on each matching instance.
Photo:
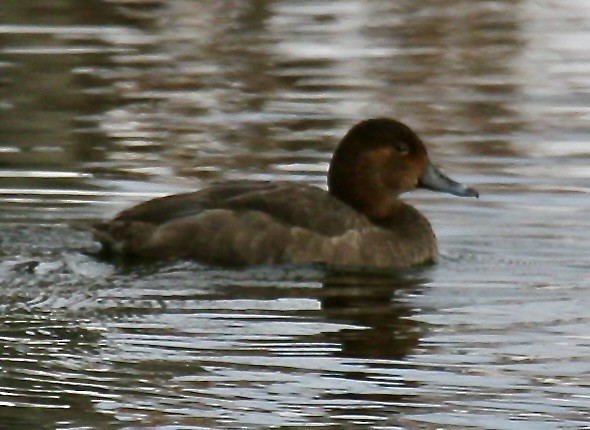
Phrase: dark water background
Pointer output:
(108, 102)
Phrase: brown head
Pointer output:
(379, 159)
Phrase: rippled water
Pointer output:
(108, 102)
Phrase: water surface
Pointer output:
(108, 102)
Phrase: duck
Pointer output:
(359, 220)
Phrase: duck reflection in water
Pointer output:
(369, 301)
(381, 334)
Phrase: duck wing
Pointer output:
(164, 209)
(292, 204)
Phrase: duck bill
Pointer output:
(435, 180)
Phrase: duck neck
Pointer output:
(362, 179)
(361, 189)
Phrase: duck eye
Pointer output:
(402, 148)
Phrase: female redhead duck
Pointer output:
(360, 221)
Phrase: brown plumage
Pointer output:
(360, 221)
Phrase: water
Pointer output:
(107, 102)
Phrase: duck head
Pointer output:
(379, 159)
